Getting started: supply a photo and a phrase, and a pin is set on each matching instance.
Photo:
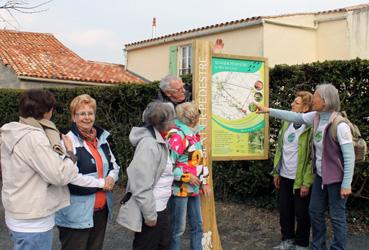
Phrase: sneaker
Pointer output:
(297, 247)
(285, 245)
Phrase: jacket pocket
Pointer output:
(129, 216)
(78, 214)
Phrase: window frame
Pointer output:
(185, 59)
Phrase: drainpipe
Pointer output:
(330, 19)
(125, 58)
(83, 83)
(292, 25)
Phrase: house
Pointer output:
(283, 39)
(33, 60)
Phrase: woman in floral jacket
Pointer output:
(190, 175)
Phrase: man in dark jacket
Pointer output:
(173, 90)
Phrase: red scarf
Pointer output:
(164, 135)
(89, 136)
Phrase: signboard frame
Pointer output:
(265, 102)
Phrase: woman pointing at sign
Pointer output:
(333, 163)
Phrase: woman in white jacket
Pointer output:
(35, 172)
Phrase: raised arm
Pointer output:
(300, 118)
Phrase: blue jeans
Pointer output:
(179, 208)
(321, 198)
(32, 241)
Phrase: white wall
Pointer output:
(153, 62)
(289, 45)
(358, 34)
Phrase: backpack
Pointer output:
(359, 143)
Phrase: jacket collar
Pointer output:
(99, 131)
(186, 129)
(158, 137)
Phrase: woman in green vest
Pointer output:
(293, 177)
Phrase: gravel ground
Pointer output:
(241, 227)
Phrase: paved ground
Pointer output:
(241, 227)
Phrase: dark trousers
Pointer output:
(154, 238)
(88, 238)
(323, 197)
(293, 205)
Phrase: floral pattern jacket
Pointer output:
(188, 158)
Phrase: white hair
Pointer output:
(165, 82)
(330, 95)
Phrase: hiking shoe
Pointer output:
(297, 247)
(286, 245)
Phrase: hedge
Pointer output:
(119, 108)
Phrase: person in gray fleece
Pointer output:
(144, 205)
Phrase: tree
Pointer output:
(9, 8)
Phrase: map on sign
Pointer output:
(236, 128)
(233, 93)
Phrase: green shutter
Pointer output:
(173, 54)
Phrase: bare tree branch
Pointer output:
(20, 6)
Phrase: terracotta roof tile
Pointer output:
(41, 55)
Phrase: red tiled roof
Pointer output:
(351, 8)
(41, 55)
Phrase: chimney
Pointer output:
(153, 34)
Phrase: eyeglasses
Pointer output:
(85, 114)
(180, 89)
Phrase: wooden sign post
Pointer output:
(202, 96)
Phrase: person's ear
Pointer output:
(305, 109)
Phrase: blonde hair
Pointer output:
(187, 112)
(82, 100)
(307, 98)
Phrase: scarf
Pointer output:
(52, 133)
(89, 136)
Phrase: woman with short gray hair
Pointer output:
(330, 95)
(333, 163)
(150, 177)
(190, 175)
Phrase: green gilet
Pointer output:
(304, 173)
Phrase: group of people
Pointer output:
(51, 178)
(313, 169)
(167, 173)
(66, 180)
